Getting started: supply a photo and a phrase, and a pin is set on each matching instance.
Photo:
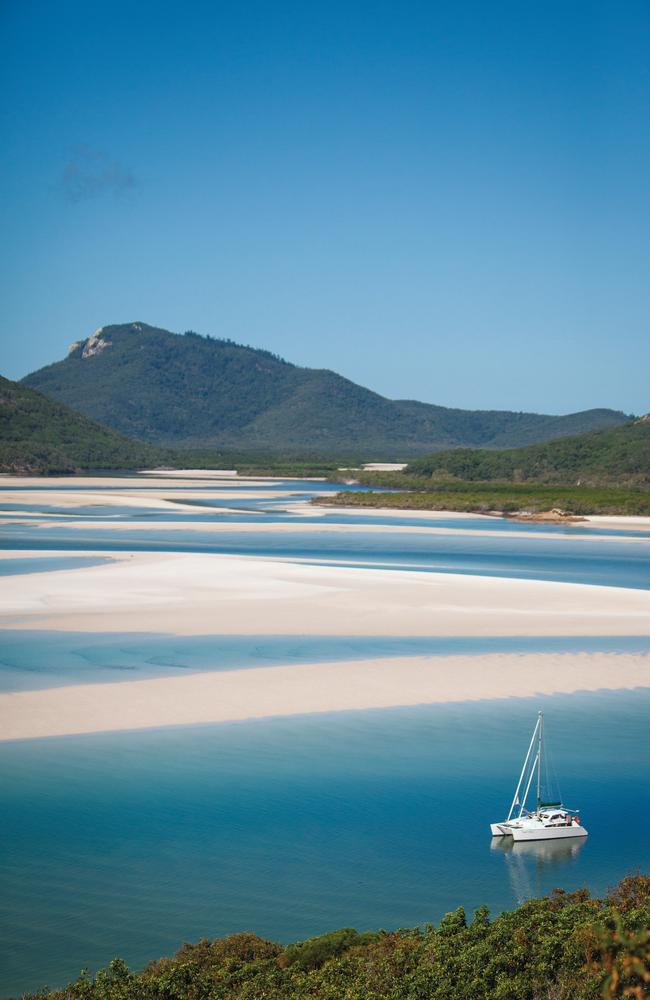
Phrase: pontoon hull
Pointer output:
(548, 833)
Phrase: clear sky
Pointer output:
(446, 201)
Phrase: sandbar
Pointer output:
(311, 688)
(210, 594)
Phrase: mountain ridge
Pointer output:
(185, 390)
(617, 454)
(38, 434)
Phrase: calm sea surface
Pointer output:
(130, 843)
(33, 660)
(603, 561)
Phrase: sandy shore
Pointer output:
(159, 490)
(208, 594)
(153, 497)
(311, 688)
(211, 594)
(131, 482)
(620, 521)
(190, 473)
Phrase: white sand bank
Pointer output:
(69, 500)
(302, 689)
(385, 466)
(279, 528)
(214, 594)
(190, 473)
(619, 521)
(150, 497)
(431, 515)
(135, 481)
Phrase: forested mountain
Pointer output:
(39, 435)
(618, 454)
(200, 392)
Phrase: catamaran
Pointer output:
(549, 820)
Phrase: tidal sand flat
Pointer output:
(34, 660)
(305, 689)
(219, 728)
(205, 593)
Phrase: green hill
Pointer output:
(619, 454)
(194, 391)
(39, 435)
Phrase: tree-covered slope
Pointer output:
(566, 947)
(200, 392)
(39, 435)
(619, 454)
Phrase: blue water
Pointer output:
(45, 659)
(131, 843)
(315, 485)
(603, 561)
(47, 564)
(505, 549)
(264, 510)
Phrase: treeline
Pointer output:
(602, 472)
(41, 436)
(618, 454)
(564, 947)
(482, 498)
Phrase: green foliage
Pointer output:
(482, 498)
(312, 954)
(625, 957)
(619, 454)
(37, 434)
(564, 947)
(194, 391)
(575, 474)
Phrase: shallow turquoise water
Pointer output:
(48, 564)
(505, 549)
(130, 843)
(601, 561)
(270, 509)
(32, 660)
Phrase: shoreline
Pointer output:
(43, 520)
(160, 490)
(631, 521)
(309, 689)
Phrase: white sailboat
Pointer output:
(549, 820)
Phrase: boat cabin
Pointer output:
(551, 818)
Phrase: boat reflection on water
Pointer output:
(528, 862)
(544, 852)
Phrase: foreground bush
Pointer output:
(564, 947)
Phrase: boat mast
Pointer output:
(538, 730)
(539, 760)
(523, 771)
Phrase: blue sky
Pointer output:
(443, 201)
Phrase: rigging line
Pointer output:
(556, 780)
(548, 791)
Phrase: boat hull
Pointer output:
(497, 831)
(548, 833)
